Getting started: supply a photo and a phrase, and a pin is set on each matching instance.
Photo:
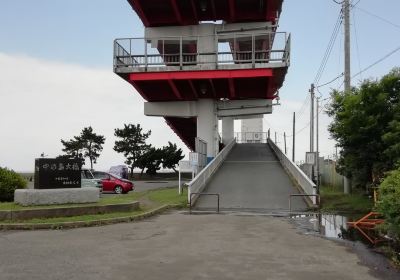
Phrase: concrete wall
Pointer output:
(29, 197)
(329, 176)
(227, 130)
(253, 125)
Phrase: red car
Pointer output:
(113, 183)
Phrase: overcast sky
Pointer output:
(56, 72)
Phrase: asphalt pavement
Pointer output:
(179, 246)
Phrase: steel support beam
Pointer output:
(201, 75)
(194, 91)
(232, 9)
(213, 10)
(176, 11)
(212, 88)
(194, 9)
(140, 12)
(175, 89)
(232, 94)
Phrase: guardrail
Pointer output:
(251, 137)
(198, 184)
(200, 194)
(231, 50)
(307, 186)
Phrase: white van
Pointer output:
(88, 180)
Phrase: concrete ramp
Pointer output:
(251, 179)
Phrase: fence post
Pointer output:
(253, 50)
(145, 54)
(180, 53)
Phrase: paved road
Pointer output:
(151, 185)
(251, 178)
(178, 246)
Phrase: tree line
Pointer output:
(366, 126)
(131, 142)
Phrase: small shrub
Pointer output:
(389, 202)
(9, 182)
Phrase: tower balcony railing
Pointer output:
(185, 53)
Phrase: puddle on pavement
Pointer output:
(335, 227)
(329, 226)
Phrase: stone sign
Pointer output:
(53, 173)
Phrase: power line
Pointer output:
(330, 47)
(354, 5)
(378, 17)
(303, 106)
(330, 82)
(377, 62)
(357, 46)
(308, 124)
(373, 64)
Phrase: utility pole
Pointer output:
(347, 49)
(318, 182)
(347, 67)
(294, 136)
(312, 92)
(284, 137)
(275, 139)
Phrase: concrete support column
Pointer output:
(207, 125)
(227, 130)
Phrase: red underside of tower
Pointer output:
(183, 85)
(190, 12)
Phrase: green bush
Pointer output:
(9, 182)
(389, 202)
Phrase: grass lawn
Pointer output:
(149, 200)
(334, 200)
(83, 218)
(159, 196)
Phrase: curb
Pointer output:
(80, 224)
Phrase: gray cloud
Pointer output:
(42, 102)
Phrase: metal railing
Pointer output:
(229, 51)
(307, 186)
(198, 184)
(251, 137)
(203, 194)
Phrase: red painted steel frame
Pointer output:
(190, 85)
(191, 12)
(367, 225)
(195, 75)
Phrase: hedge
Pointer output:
(389, 202)
(9, 182)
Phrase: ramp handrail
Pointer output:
(307, 186)
(199, 182)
